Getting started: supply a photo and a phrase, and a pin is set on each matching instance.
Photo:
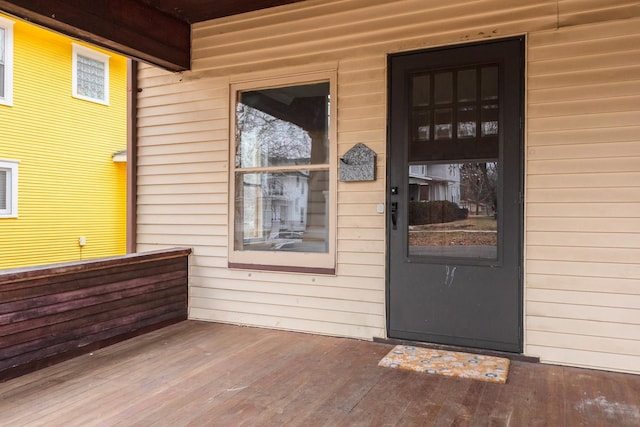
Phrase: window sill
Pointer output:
(283, 268)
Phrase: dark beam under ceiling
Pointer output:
(204, 10)
(129, 27)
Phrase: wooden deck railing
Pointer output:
(52, 313)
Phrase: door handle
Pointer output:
(394, 215)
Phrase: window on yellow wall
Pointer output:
(8, 189)
(283, 133)
(90, 75)
(6, 62)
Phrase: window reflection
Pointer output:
(283, 126)
(458, 105)
(443, 88)
(281, 203)
(284, 211)
(489, 83)
(467, 122)
(421, 90)
(443, 126)
(490, 120)
(453, 209)
(421, 126)
(467, 85)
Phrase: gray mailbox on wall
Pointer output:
(358, 164)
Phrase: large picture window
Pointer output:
(283, 175)
(6, 62)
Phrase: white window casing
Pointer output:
(90, 75)
(6, 62)
(8, 189)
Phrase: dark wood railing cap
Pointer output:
(31, 273)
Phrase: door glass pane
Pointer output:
(489, 117)
(489, 83)
(283, 126)
(467, 85)
(443, 88)
(453, 210)
(421, 90)
(282, 211)
(467, 122)
(421, 126)
(444, 123)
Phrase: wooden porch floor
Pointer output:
(206, 374)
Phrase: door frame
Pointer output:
(521, 183)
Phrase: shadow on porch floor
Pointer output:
(207, 374)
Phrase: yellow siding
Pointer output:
(68, 184)
(582, 137)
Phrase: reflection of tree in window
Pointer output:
(280, 132)
(267, 140)
(479, 184)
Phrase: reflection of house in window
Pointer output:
(282, 174)
(282, 203)
(275, 187)
(274, 206)
(434, 182)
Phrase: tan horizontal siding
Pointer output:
(583, 191)
(582, 161)
(277, 321)
(334, 30)
(584, 238)
(594, 225)
(576, 327)
(603, 165)
(589, 254)
(261, 278)
(586, 151)
(581, 283)
(576, 12)
(584, 180)
(588, 358)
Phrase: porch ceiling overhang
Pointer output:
(154, 31)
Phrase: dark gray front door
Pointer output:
(455, 195)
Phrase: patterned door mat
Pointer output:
(448, 363)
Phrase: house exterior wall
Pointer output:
(69, 185)
(583, 195)
(582, 279)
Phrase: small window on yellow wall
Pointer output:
(283, 175)
(8, 189)
(90, 75)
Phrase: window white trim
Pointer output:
(7, 76)
(287, 260)
(96, 56)
(10, 167)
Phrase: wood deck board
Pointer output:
(196, 373)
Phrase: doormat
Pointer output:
(448, 363)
